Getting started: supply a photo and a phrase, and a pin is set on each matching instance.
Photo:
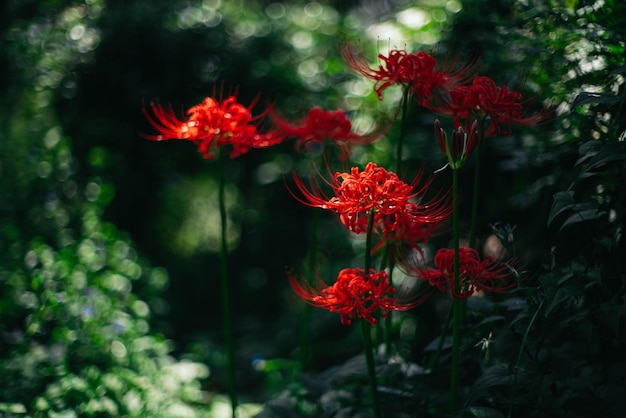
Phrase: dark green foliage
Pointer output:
(88, 325)
(77, 303)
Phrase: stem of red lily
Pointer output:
(226, 309)
(479, 152)
(406, 93)
(366, 328)
(457, 305)
(385, 332)
(368, 242)
(387, 329)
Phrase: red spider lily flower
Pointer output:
(409, 232)
(213, 124)
(461, 145)
(485, 99)
(375, 189)
(322, 125)
(406, 239)
(420, 71)
(474, 274)
(355, 294)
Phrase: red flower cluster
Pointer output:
(213, 124)
(354, 294)
(358, 193)
(485, 99)
(474, 274)
(321, 125)
(420, 71)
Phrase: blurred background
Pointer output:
(109, 243)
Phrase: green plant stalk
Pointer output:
(371, 369)
(225, 285)
(406, 94)
(519, 357)
(366, 327)
(388, 323)
(457, 305)
(368, 242)
(476, 190)
(386, 329)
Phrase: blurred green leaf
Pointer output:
(484, 412)
(596, 98)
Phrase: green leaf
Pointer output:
(432, 346)
(560, 296)
(588, 150)
(489, 319)
(514, 304)
(608, 153)
(13, 408)
(484, 412)
(493, 377)
(595, 98)
(519, 317)
(562, 202)
(621, 69)
(583, 215)
(565, 278)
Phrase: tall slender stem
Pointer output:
(384, 335)
(406, 94)
(476, 191)
(368, 242)
(366, 328)
(388, 322)
(225, 285)
(457, 304)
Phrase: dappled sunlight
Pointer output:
(190, 219)
(369, 265)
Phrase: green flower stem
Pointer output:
(406, 94)
(366, 328)
(457, 309)
(457, 305)
(476, 191)
(385, 333)
(388, 325)
(226, 302)
(368, 242)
